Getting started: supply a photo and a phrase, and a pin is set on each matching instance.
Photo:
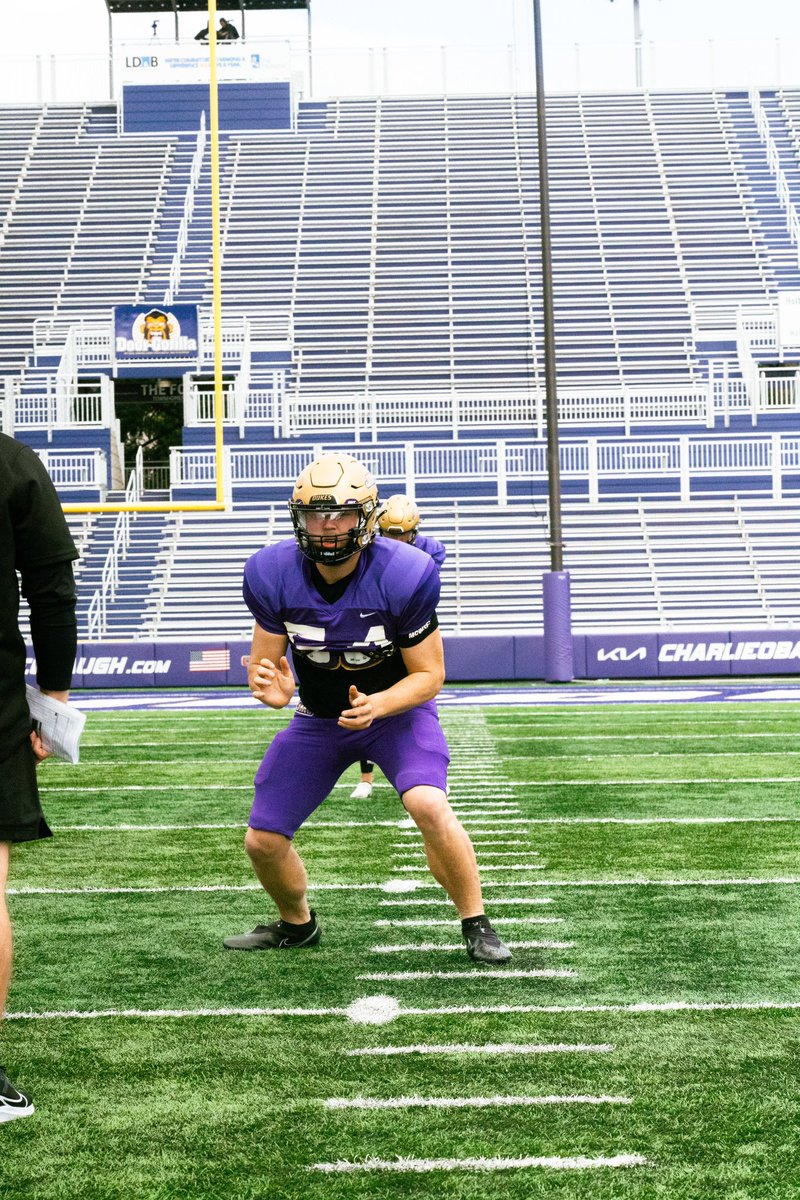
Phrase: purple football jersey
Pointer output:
(432, 546)
(387, 603)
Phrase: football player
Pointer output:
(360, 615)
(399, 518)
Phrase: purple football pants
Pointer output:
(305, 760)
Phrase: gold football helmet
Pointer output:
(398, 517)
(334, 508)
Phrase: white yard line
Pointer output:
(352, 887)
(629, 737)
(194, 887)
(422, 1165)
(640, 1009)
(180, 1013)
(485, 1048)
(790, 880)
(366, 1103)
(640, 821)
(531, 783)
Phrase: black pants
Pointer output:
(21, 816)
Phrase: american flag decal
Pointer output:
(209, 660)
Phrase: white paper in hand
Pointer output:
(59, 725)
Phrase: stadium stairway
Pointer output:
(770, 215)
(127, 601)
(169, 222)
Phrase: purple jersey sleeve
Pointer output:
(418, 617)
(433, 547)
(261, 586)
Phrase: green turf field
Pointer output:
(639, 858)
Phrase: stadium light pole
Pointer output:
(637, 42)
(558, 653)
(216, 262)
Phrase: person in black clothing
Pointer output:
(35, 541)
(225, 33)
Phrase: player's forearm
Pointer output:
(407, 693)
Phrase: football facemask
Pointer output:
(334, 509)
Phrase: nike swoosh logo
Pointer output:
(369, 614)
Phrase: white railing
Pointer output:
(758, 337)
(50, 333)
(188, 212)
(76, 468)
(774, 163)
(63, 405)
(99, 605)
(8, 400)
(683, 462)
(368, 414)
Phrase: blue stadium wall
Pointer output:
(176, 107)
(672, 655)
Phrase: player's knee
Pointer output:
(265, 846)
(429, 808)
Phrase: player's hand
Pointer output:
(360, 714)
(38, 746)
(272, 685)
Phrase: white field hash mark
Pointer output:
(485, 867)
(477, 846)
(501, 973)
(411, 902)
(421, 1165)
(434, 947)
(485, 1048)
(412, 923)
(364, 1102)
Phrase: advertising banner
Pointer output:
(147, 334)
(189, 63)
(651, 655)
(621, 655)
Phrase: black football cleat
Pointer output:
(277, 936)
(484, 946)
(13, 1103)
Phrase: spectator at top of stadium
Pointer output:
(225, 33)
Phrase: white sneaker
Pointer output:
(361, 791)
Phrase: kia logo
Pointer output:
(622, 654)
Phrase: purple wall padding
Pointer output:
(559, 665)
(467, 658)
(701, 652)
(479, 657)
(762, 652)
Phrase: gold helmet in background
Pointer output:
(336, 485)
(398, 517)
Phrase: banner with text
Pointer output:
(160, 336)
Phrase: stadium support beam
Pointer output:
(558, 655)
